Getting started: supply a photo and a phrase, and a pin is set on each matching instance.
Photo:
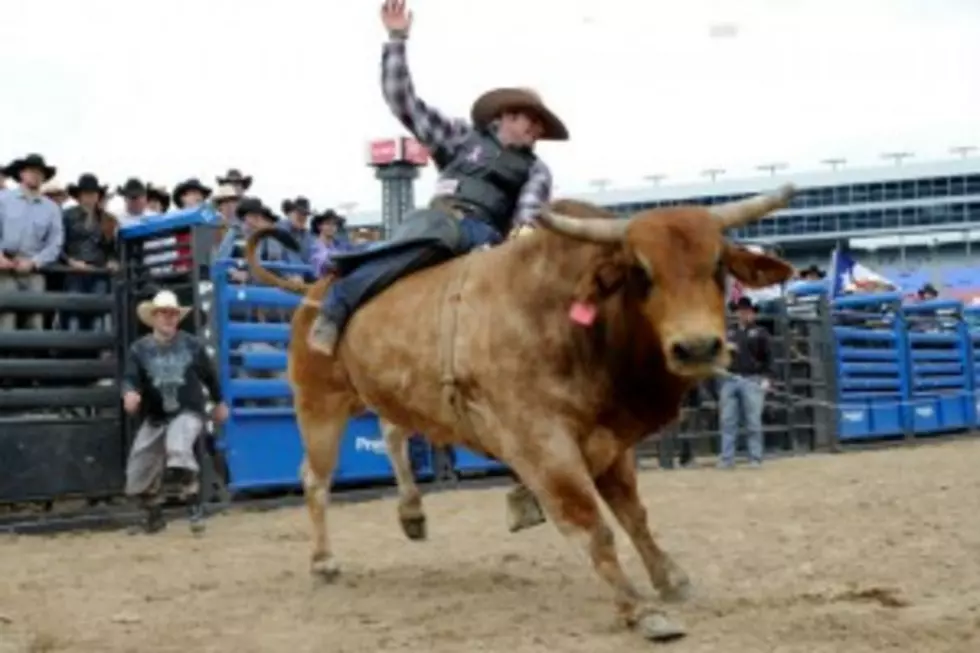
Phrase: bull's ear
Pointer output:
(753, 269)
(603, 279)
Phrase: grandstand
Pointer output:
(912, 223)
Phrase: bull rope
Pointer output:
(452, 395)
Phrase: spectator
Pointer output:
(55, 192)
(157, 199)
(134, 194)
(190, 194)
(164, 374)
(743, 394)
(3, 177)
(226, 203)
(237, 180)
(297, 216)
(927, 293)
(252, 215)
(31, 233)
(325, 227)
(812, 273)
(90, 244)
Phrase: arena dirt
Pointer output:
(875, 551)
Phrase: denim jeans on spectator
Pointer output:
(741, 397)
(89, 284)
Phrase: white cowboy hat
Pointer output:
(492, 104)
(52, 187)
(225, 192)
(164, 299)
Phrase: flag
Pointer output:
(846, 274)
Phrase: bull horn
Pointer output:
(598, 230)
(747, 211)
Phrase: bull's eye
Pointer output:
(640, 282)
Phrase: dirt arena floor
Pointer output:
(876, 551)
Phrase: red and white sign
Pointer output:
(386, 151)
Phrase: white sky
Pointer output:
(288, 89)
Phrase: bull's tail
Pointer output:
(263, 275)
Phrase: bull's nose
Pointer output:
(697, 350)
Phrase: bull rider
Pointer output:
(490, 179)
(164, 375)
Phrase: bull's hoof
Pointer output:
(523, 510)
(325, 569)
(415, 528)
(658, 628)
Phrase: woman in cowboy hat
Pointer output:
(164, 376)
(490, 178)
(90, 244)
(325, 229)
(157, 198)
(190, 193)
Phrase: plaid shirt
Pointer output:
(439, 132)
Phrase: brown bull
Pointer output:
(483, 351)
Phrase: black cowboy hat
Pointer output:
(928, 289)
(254, 205)
(87, 183)
(159, 194)
(31, 161)
(300, 204)
(814, 270)
(327, 216)
(744, 302)
(235, 176)
(132, 188)
(186, 186)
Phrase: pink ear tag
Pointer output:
(582, 313)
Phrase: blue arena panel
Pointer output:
(261, 297)
(241, 332)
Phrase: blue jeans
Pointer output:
(89, 284)
(744, 397)
(352, 290)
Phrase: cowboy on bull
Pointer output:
(490, 181)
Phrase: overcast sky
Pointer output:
(288, 89)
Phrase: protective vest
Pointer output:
(485, 179)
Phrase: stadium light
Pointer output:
(655, 179)
(713, 173)
(772, 167)
(898, 157)
(834, 162)
(962, 150)
(600, 184)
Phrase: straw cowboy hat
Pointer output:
(35, 161)
(492, 104)
(235, 176)
(53, 189)
(163, 300)
(87, 183)
(225, 192)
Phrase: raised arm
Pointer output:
(430, 126)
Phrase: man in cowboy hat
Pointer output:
(252, 216)
(298, 213)
(90, 245)
(164, 375)
(234, 177)
(31, 233)
(133, 193)
(55, 192)
(743, 393)
(190, 194)
(490, 179)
